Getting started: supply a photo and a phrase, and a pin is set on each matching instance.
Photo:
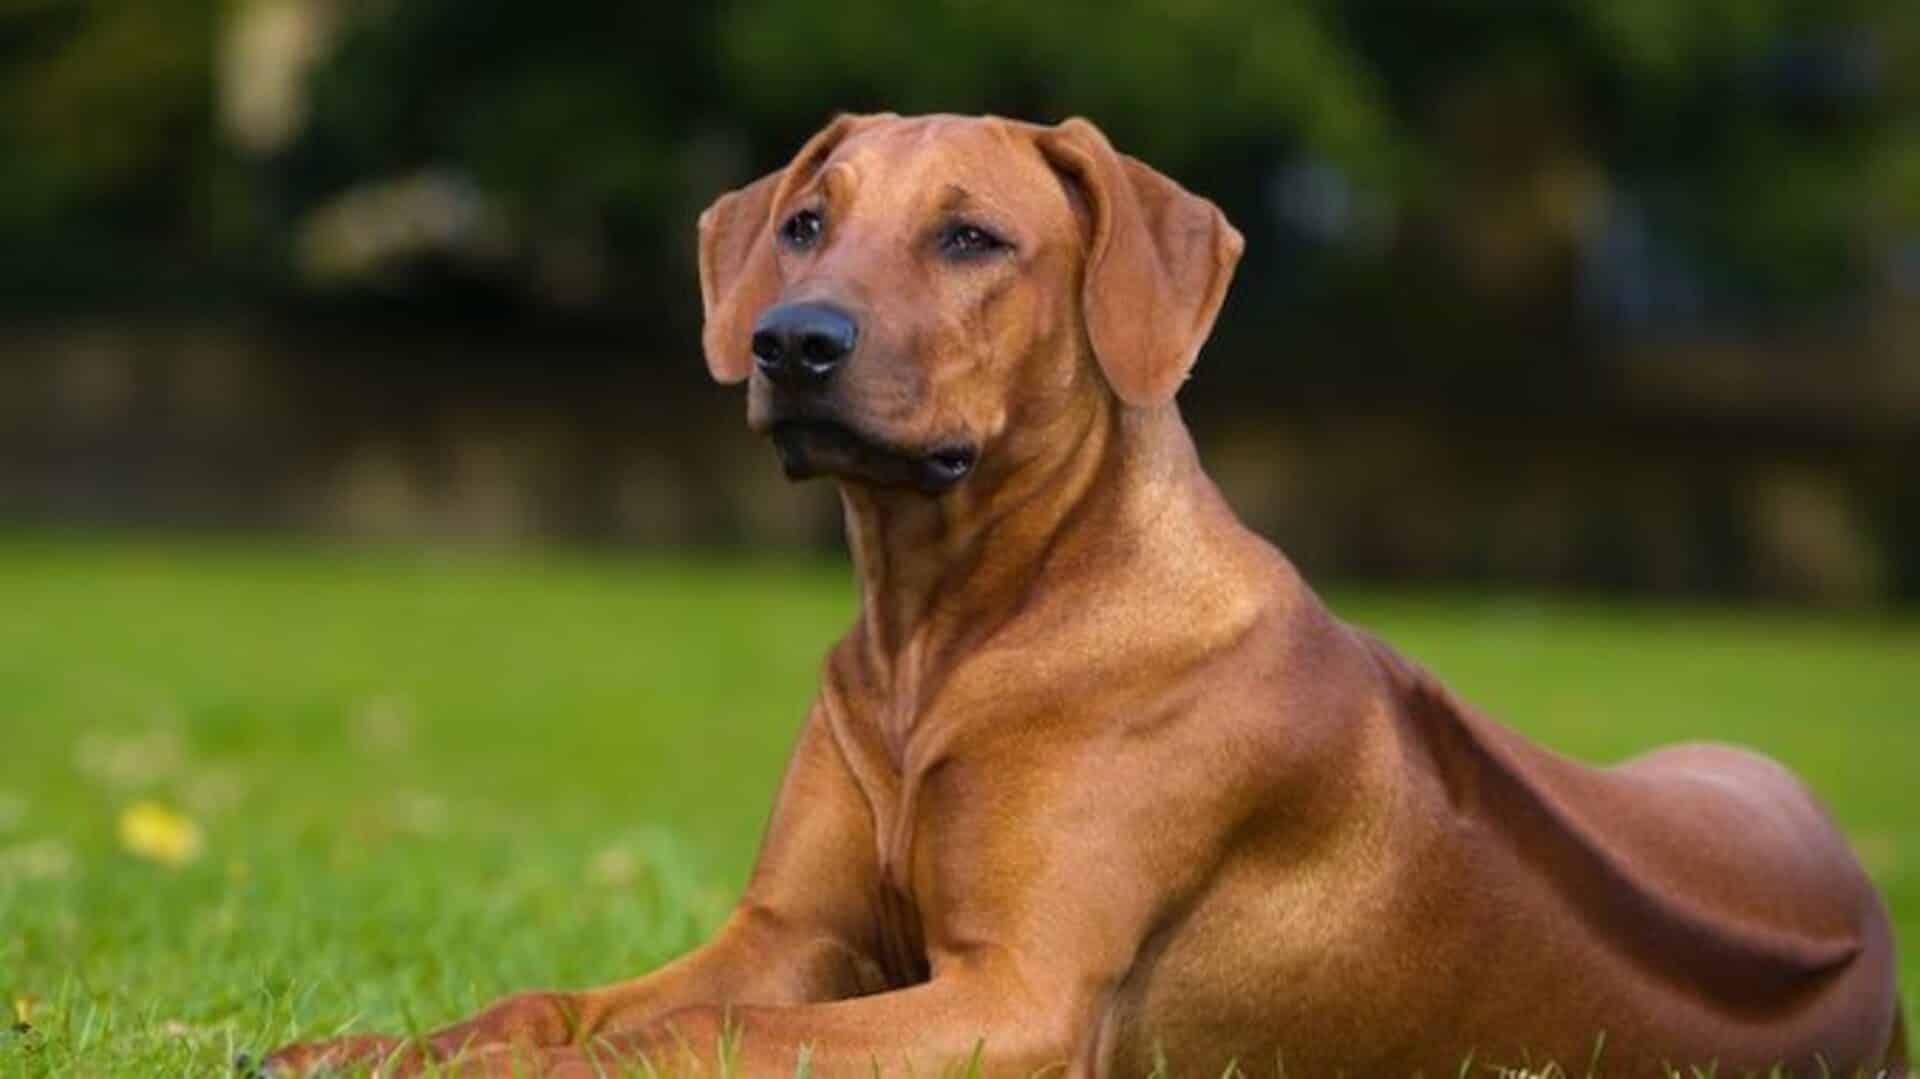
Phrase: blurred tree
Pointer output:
(106, 154)
(1749, 156)
(1601, 216)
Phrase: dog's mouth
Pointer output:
(813, 447)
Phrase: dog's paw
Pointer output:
(359, 1054)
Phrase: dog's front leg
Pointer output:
(987, 1014)
(797, 936)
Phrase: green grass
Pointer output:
(425, 780)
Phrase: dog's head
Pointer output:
(909, 292)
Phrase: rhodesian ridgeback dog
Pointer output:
(1094, 783)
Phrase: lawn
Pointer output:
(252, 791)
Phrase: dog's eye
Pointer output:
(802, 230)
(969, 240)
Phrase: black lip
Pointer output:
(814, 447)
(952, 463)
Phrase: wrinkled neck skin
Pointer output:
(938, 575)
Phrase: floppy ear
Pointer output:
(738, 277)
(1157, 268)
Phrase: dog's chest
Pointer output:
(918, 845)
(894, 794)
(906, 750)
(902, 933)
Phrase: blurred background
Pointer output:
(392, 614)
(1614, 295)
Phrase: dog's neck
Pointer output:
(937, 574)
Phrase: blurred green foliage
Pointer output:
(1776, 142)
(1642, 238)
(106, 145)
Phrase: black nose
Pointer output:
(798, 345)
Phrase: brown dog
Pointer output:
(1094, 782)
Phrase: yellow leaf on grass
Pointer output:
(155, 832)
(23, 1008)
